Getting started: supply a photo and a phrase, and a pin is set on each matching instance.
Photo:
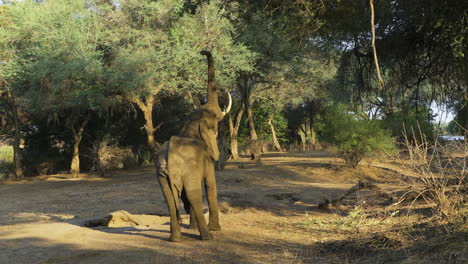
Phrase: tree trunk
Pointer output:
(223, 148)
(147, 109)
(255, 147)
(276, 144)
(252, 130)
(465, 116)
(77, 136)
(313, 137)
(234, 132)
(17, 138)
(246, 86)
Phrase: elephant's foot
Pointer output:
(175, 237)
(206, 236)
(214, 227)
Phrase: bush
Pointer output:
(109, 156)
(354, 135)
(416, 124)
(6, 169)
(442, 179)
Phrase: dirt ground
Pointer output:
(269, 215)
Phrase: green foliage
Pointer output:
(412, 122)
(7, 166)
(6, 169)
(461, 117)
(453, 128)
(162, 52)
(56, 43)
(262, 109)
(354, 135)
(69, 60)
(6, 153)
(421, 50)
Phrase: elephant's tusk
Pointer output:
(229, 106)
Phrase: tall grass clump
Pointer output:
(354, 135)
(442, 169)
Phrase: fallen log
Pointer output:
(359, 186)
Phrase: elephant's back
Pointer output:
(186, 155)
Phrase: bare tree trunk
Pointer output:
(252, 130)
(465, 115)
(313, 137)
(17, 137)
(303, 134)
(147, 109)
(77, 136)
(255, 147)
(234, 131)
(276, 143)
(374, 49)
(245, 87)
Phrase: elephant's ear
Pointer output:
(208, 135)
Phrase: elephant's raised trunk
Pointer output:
(228, 108)
(212, 94)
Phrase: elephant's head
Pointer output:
(203, 123)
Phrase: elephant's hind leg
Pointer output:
(171, 205)
(195, 198)
(189, 210)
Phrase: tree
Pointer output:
(278, 31)
(421, 51)
(156, 51)
(362, 137)
(56, 44)
(7, 73)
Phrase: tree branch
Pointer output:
(376, 61)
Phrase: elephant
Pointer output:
(186, 161)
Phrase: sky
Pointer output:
(444, 115)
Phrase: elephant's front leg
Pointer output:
(171, 205)
(212, 197)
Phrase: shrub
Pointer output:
(416, 124)
(6, 169)
(108, 155)
(354, 135)
(442, 179)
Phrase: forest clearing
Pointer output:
(269, 214)
(233, 131)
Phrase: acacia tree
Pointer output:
(280, 32)
(7, 94)
(422, 52)
(57, 46)
(156, 50)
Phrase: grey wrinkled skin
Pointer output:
(186, 161)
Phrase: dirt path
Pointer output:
(264, 208)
